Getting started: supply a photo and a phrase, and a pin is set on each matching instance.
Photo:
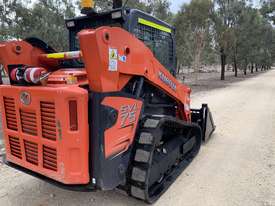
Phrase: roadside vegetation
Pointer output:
(235, 34)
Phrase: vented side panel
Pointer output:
(28, 122)
(10, 113)
(31, 152)
(48, 120)
(15, 147)
(32, 132)
(49, 158)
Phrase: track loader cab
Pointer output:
(156, 34)
(108, 113)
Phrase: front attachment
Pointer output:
(203, 117)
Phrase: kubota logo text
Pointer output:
(167, 81)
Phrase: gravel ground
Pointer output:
(235, 168)
(211, 80)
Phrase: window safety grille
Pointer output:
(159, 42)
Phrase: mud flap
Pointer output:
(203, 117)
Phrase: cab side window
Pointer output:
(160, 43)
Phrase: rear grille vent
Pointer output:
(15, 147)
(31, 152)
(49, 158)
(48, 120)
(28, 122)
(10, 113)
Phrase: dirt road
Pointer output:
(236, 167)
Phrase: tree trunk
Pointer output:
(196, 65)
(198, 52)
(178, 68)
(245, 67)
(223, 62)
(252, 68)
(235, 66)
(256, 67)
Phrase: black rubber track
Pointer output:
(148, 139)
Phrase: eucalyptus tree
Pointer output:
(268, 9)
(7, 11)
(225, 17)
(161, 10)
(247, 37)
(144, 5)
(193, 24)
(43, 19)
(255, 35)
(157, 8)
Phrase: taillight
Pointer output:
(73, 115)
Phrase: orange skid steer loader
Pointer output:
(107, 114)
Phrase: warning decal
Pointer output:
(113, 59)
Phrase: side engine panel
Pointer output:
(113, 119)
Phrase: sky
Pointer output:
(175, 4)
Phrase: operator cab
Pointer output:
(156, 34)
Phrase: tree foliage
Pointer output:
(268, 9)
(208, 31)
(157, 8)
(45, 20)
(194, 27)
